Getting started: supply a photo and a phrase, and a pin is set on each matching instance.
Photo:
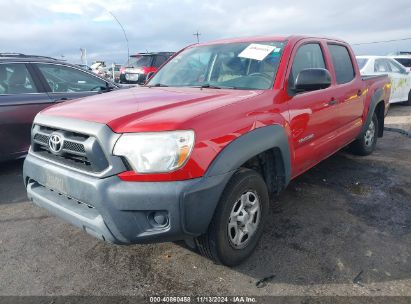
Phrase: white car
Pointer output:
(399, 75)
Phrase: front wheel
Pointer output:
(366, 144)
(238, 221)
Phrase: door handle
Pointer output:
(332, 102)
(359, 92)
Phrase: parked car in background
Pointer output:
(113, 72)
(400, 53)
(28, 84)
(404, 59)
(195, 154)
(399, 75)
(136, 70)
(99, 68)
(105, 73)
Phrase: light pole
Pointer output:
(125, 36)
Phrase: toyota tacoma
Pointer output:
(196, 153)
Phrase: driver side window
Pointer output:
(64, 79)
(308, 56)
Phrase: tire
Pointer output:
(222, 242)
(366, 144)
(408, 102)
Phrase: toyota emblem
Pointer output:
(55, 143)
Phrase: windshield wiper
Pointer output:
(158, 85)
(209, 86)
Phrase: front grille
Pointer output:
(42, 138)
(79, 151)
(68, 145)
(73, 146)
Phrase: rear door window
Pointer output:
(344, 69)
(64, 79)
(16, 79)
(308, 56)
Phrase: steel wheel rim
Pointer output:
(244, 219)
(370, 134)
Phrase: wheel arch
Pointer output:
(379, 110)
(265, 150)
(376, 105)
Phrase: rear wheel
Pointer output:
(238, 221)
(408, 102)
(366, 144)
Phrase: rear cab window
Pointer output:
(342, 62)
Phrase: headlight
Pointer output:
(155, 152)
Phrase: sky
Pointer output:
(59, 28)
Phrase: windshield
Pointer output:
(232, 65)
(362, 62)
(140, 61)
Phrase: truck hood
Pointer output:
(143, 108)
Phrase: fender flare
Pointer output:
(211, 186)
(249, 145)
(375, 99)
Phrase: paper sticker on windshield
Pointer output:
(256, 51)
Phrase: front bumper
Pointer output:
(122, 212)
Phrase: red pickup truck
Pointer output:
(196, 153)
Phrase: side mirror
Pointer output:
(149, 76)
(312, 79)
(107, 88)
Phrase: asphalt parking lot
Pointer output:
(342, 228)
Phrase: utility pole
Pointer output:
(125, 36)
(198, 36)
(83, 56)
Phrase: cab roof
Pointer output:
(281, 38)
(26, 58)
(151, 54)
